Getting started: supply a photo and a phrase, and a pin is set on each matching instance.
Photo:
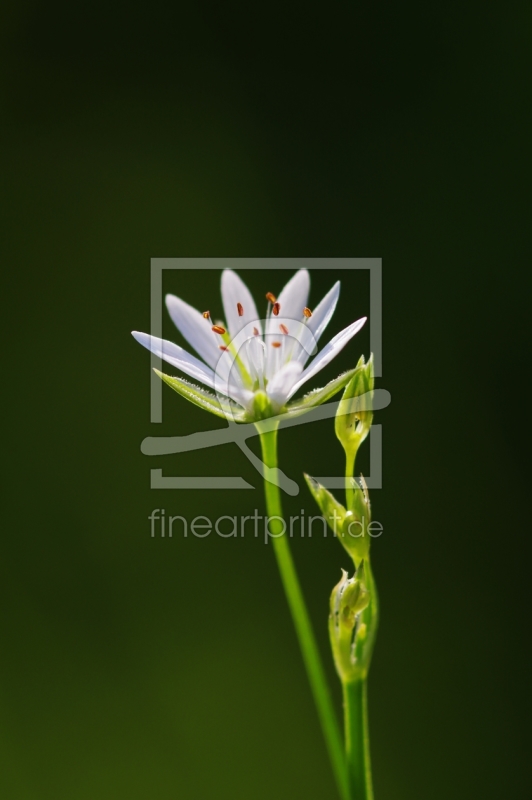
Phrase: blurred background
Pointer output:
(138, 668)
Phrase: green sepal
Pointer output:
(360, 504)
(333, 511)
(318, 396)
(225, 409)
(349, 525)
(354, 534)
(355, 598)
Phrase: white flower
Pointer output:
(254, 365)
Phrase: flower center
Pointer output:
(257, 364)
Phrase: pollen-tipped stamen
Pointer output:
(271, 298)
(238, 363)
(218, 330)
(307, 313)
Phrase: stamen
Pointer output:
(307, 312)
(223, 347)
(255, 331)
(283, 328)
(276, 344)
(240, 309)
(218, 329)
(271, 297)
(256, 350)
(276, 308)
(206, 315)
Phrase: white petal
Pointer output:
(195, 328)
(293, 298)
(233, 390)
(235, 291)
(256, 356)
(328, 353)
(323, 312)
(294, 336)
(228, 378)
(175, 355)
(279, 387)
(319, 320)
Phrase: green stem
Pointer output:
(357, 739)
(349, 469)
(305, 634)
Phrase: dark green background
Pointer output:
(137, 668)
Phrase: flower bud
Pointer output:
(355, 415)
(347, 627)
